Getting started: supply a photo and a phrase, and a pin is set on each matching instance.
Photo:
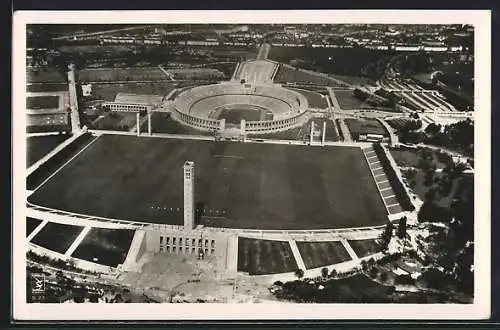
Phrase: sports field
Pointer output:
(42, 102)
(105, 246)
(56, 236)
(241, 185)
(365, 247)
(319, 254)
(260, 257)
(235, 113)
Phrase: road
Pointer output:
(264, 52)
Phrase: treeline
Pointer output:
(458, 136)
(396, 184)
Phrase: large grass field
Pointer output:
(108, 92)
(39, 146)
(105, 246)
(260, 257)
(242, 185)
(319, 254)
(122, 74)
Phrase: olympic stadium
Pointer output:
(252, 108)
(280, 200)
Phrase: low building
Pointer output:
(369, 130)
(129, 102)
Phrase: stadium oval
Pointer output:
(247, 108)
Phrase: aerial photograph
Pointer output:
(249, 163)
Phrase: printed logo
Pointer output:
(37, 292)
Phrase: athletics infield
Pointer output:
(238, 185)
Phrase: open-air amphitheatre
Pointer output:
(255, 206)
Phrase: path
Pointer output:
(264, 52)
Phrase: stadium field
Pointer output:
(319, 254)
(260, 257)
(240, 185)
(234, 113)
(105, 246)
(39, 146)
(42, 102)
(235, 116)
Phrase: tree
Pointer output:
(401, 232)
(433, 129)
(299, 273)
(387, 235)
(333, 273)
(324, 272)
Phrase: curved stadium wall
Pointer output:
(183, 105)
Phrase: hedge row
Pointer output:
(397, 186)
(43, 172)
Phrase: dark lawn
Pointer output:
(253, 185)
(31, 224)
(348, 101)
(260, 257)
(162, 122)
(319, 254)
(42, 102)
(39, 146)
(287, 74)
(56, 236)
(314, 99)
(47, 87)
(109, 246)
(108, 91)
(365, 247)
